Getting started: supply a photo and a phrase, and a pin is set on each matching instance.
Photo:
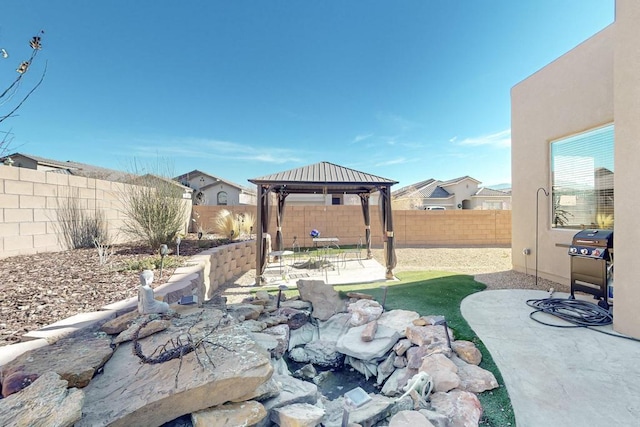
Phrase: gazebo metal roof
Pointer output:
(323, 176)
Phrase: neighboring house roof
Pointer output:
(152, 177)
(490, 192)
(457, 180)
(318, 176)
(72, 168)
(196, 173)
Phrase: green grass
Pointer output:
(438, 293)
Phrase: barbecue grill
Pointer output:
(591, 254)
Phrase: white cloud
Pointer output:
(359, 138)
(396, 161)
(500, 139)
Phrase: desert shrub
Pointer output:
(79, 227)
(233, 226)
(154, 210)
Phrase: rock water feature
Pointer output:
(224, 365)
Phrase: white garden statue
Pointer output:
(146, 302)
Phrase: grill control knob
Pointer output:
(573, 250)
(584, 251)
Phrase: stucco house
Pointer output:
(213, 191)
(69, 167)
(575, 133)
(459, 193)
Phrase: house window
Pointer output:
(222, 198)
(582, 180)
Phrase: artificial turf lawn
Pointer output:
(440, 293)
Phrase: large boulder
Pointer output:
(75, 358)
(461, 407)
(47, 402)
(325, 300)
(398, 320)
(226, 365)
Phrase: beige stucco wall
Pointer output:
(572, 94)
(596, 83)
(413, 228)
(28, 203)
(627, 159)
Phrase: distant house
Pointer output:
(68, 167)
(458, 193)
(214, 191)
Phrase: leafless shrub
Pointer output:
(154, 209)
(79, 227)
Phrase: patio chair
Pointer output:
(355, 252)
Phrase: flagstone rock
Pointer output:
(425, 335)
(369, 331)
(437, 419)
(334, 327)
(442, 370)
(47, 402)
(303, 335)
(402, 346)
(394, 384)
(230, 414)
(321, 353)
(75, 358)
(366, 368)
(281, 334)
(398, 320)
(351, 344)
(150, 328)
(244, 311)
(228, 364)
(461, 407)
(409, 419)
(325, 300)
(473, 378)
(374, 411)
(292, 390)
(467, 351)
(297, 415)
(120, 323)
(386, 368)
(364, 311)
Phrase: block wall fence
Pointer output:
(29, 201)
(413, 228)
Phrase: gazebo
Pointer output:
(325, 178)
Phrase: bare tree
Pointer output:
(11, 98)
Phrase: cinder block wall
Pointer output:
(28, 208)
(412, 227)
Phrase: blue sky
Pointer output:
(407, 90)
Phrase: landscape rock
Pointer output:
(398, 320)
(325, 300)
(467, 351)
(150, 328)
(437, 419)
(394, 384)
(281, 334)
(461, 407)
(120, 323)
(75, 358)
(386, 368)
(244, 311)
(230, 414)
(364, 311)
(334, 327)
(292, 390)
(425, 335)
(442, 370)
(409, 419)
(303, 335)
(402, 346)
(351, 344)
(366, 368)
(369, 331)
(473, 378)
(297, 415)
(321, 353)
(47, 402)
(375, 411)
(161, 392)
